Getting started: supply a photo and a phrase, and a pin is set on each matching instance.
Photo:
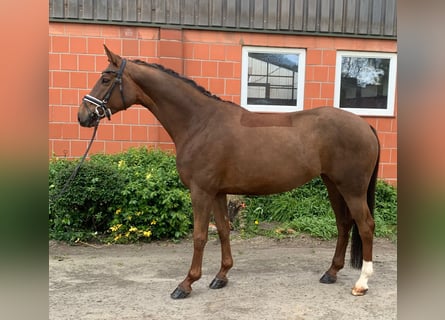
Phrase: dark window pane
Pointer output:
(364, 83)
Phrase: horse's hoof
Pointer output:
(359, 291)
(218, 283)
(327, 278)
(179, 293)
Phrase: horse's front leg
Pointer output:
(223, 225)
(201, 203)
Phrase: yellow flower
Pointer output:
(147, 234)
(153, 222)
(115, 227)
(148, 176)
(120, 164)
(138, 213)
(256, 222)
(117, 237)
(118, 211)
(133, 229)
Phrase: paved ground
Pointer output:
(271, 279)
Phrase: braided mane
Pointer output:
(177, 75)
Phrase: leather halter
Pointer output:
(102, 110)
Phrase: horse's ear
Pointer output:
(112, 57)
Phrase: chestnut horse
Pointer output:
(221, 148)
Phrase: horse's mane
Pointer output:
(177, 75)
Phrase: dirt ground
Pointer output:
(271, 279)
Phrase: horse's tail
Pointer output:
(356, 241)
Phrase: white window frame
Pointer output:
(300, 79)
(389, 111)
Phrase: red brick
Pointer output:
(329, 57)
(233, 87)
(54, 61)
(312, 90)
(70, 131)
(122, 132)
(86, 133)
(233, 53)
(209, 69)
(390, 140)
(314, 57)
(78, 80)
(113, 147)
(385, 155)
(92, 78)
(148, 48)
(61, 148)
(225, 69)
(174, 64)
(170, 49)
(78, 148)
(237, 70)
(54, 96)
(86, 63)
(389, 171)
(70, 97)
(201, 51)
(98, 147)
(95, 45)
(59, 114)
(55, 130)
(321, 73)
(146, 117)
(78, 45)
(217, 52)
(394, 155)
(105, 132)
(170, 34)
(327, 90)
(115, 45)
(130, 116)
(60, 44)
(130, 47)
(309, 73)
(192, 68)
(153, 133)
(163, 135)
(384, 124)
(139, 133)
(68, 62)
(217, 86)
(61, 79)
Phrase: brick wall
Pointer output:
(211, 58)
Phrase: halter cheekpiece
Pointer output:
(102, 110)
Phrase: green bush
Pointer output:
(83, 210)
(136, 195)
(307, 209)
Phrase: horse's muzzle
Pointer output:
(87, 118)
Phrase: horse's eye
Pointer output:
(105, 80)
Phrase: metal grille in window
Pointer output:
(272, 79)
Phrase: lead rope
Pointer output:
(76, 170)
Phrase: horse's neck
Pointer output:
(180, 107)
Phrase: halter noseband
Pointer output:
(102, 110)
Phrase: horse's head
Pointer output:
(113, 92)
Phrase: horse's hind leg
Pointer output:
(344, 223)
(222, 223)
(362, 216)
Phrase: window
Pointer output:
(365, 83)
(272, 79)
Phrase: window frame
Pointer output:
(390, 104)
(300, 78)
